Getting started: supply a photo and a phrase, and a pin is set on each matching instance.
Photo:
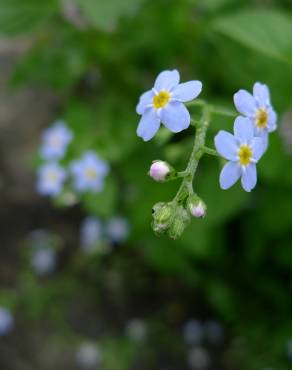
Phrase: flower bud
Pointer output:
(196, 206)
(159, 170)
(162, 216)
(179, 223)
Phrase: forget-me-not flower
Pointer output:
(89, 172)
(136, 330)
(91, 233)
(44, 261)
(6, 321)
(242, 150)
(193, 332)
(164, 103)
(89, 355)
(50, 179)
(258, 109)
(55, 141)
(117, 229)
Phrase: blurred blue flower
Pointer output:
(118, 229)
(289, 349)
(91, 233)
(193, 332)
(50, 179)
(55, 141)
(89, 172)
(6, 321)
(164, 103)
(89, 355)
(242, 150)
(199, 358)
(214, 332)
(43, 261)
(136, 330)
(258, 109)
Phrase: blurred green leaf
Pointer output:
(265, 31)
(22, 16)
(105, 14)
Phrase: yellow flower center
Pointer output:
(161, 99)
(245, 155)
(261, 118)
(90, 173)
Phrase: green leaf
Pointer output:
(265, 31)
(22, 16)
(105, 14)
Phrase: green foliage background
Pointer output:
(99, 62)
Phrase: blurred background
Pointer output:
(84, 282)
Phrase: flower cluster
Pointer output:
(165, 103)
(88, 172)
(97, 236)
(250, 139)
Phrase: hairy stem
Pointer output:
(212, 108)
(186, 187)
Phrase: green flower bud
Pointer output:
(179, 223)
(162, 216)
(196, 206)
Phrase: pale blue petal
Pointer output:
(272, 120)
(226, 145)
(148, 125)
(258, 145)
(229, 175)
(243, 129)
(167, 80)
(145, 100)
(264, 135)
(102, 167)
(244, 103)
(261, 94)
(265, 138)
(249, 177)
(187, 91)
(175, 117)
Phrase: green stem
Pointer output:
(186, 187)
(212, 108)
(210, 151)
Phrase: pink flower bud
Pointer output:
(196, 206)
(159, 170)
(198, 210)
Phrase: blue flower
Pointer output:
(118, 229)
(44, 261)
(242, 150)
(91, 233)
(164, 103)
(89, 172)
(193, 332)
(6, 321)
(89, 355)
(50, 179)
(258, 109)
(55, 141)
